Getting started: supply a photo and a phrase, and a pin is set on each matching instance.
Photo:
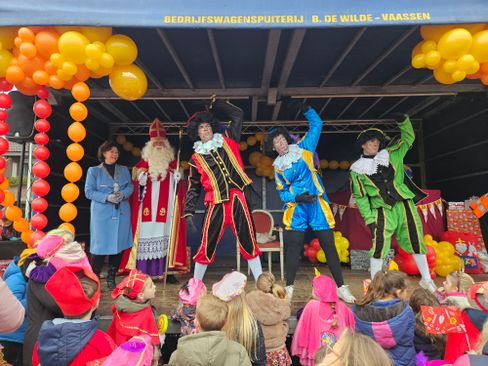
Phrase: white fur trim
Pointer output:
(370, 166)
(285, 161)
(212, 145)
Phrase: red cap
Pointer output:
(157, 130)
(66, 289)
(134, 282)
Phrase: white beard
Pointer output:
(158, 159)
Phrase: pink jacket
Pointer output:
(11, 312)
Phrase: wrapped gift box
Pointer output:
(466, 222)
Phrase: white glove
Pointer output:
(177, 176)
(142, 178)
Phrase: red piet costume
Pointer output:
(217, 166)
(135, 320)
(156, 218)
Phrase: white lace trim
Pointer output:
(152, 248)
(212, 145)
(370, 166)
(284, 162)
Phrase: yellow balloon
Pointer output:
(418, 61)
(434, 32)
(69, 68)
(428, 46)
(106, 60)
(472, 28)
(7, 36)
(333, 164)
(251, 140)
(242, 146)
(260, 136)
(72, 46)
(92, 51)
(464, 62)
(432, 58)
(324, 164)
(5, 58)
(479, 48)
(100, 34)
(254, 158)
(321, 256)
(458, 75)
(443, 77)
(473, 68)
(449, 66)
(455, 43)
(344, 164)
(101, 72)
(120, 139)
(136, 151)
(92, 64)
(57, 60)
(393, 266)
(122, 48)
(128, 82)
(417, 49)
(128, 146)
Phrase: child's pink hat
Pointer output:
(136, 351)
(191, 291)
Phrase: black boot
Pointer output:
(112, 271)
(97, 264)
(171, 279)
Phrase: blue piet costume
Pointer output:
(306, 203)
(295, 174)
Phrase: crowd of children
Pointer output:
(50, 296)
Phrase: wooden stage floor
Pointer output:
(167, 299)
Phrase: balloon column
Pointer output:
(446, 259)
(315, 253)
(128, 146)
(334, 164)
(263, 164)
(453, 52)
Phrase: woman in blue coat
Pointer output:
(109, 187)
(306, 202)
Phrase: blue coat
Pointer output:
(110, 227)
(16, 283)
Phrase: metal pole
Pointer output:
(29, 183)
(21, 176)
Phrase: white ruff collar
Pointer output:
(211, 145)
(370, 166)
(284, 162)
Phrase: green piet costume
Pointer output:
(386, 196)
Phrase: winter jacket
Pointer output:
(74, 342)
(427, 345)
(40, 307)
(11, 312)
(15, 281)
(209, 348)
(392, 325)
(272, 313)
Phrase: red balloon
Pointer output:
(4, 128)
(1, 212)
(2, 197)
(42, 108)
(3, 145)
(2, 178)
(39, 221)
(41, 169)
(41, 138)
(5, 85)
(315, 244)
(39, 204)
(3, 163)
(3, 115)
(401, 252)
(42, 153)
(407, 264)
(43, 93)
(313, 259)
(311, 252)
(431, 256)
(40, 187)
(37, 235)
(42, 125)
(5, 101)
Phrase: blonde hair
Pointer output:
(461, 280)
(241, 325)
(267, 283)
(384, 284)
(358, 349)
(211, 313)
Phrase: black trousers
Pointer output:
(12, 352)
(295, 246)
(98, 260)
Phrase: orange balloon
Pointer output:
(13, 213)
(7, 37)
(83, 73)
(40, 77)
(70, 192)
(21, 225)
(75, 152)
(76, 132)
(14, 74)
(50, 68)
(26, 237)
(47, 43)
(26, 34)
(18, 41)
(29, 65)
(63, 29)
(28, 86)
(72, 173)
(69, 84)
(4, 185)
(100, 72)
(67, 226)
(9, 199)
(68, 212)
(484, 79)
(80, 91)
(28, 49)
(78, 111)
(55, 82)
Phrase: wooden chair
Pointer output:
(264, 224)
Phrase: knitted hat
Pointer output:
(134, 282)
(136, 351)
(66, 289)
(191, 291)
(52, 242)
(230, 286)
(157, 130)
